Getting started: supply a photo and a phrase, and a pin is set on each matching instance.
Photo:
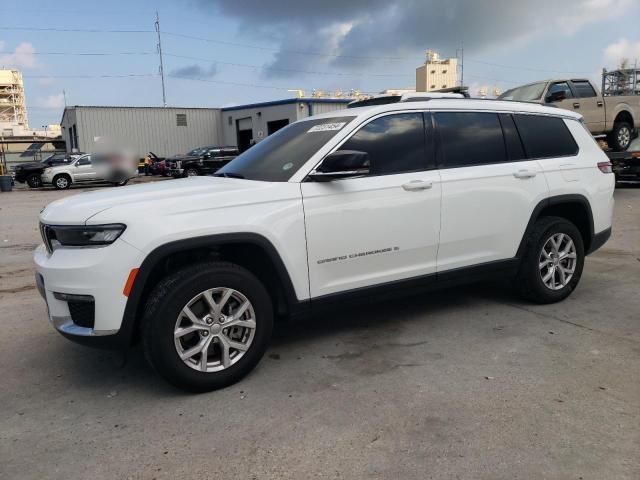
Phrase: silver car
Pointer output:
(114, 169)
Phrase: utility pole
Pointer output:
(64, 94)
(461, 50)
(161, 70)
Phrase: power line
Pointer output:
(72, 30)
(125, 75)
(530, 69)
(277, 49)
(92, 54)
(161, 69)
(345, 74)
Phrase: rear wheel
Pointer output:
(34, 180)
(191, 172)
(207, 326)
(553, 261)
(621, 136)
(61, 182)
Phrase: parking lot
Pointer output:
(471, 383)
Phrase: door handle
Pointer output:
(415, 185)
(599, 103)
(522, 174)
(576, 105)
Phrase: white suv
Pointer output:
(356, 204)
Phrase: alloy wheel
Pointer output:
(62, 182)
(557, 261)
(214, 329)
(624, 137)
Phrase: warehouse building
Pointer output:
(167, 131)
(245, 124)
(163, 131)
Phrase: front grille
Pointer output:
(83, 313)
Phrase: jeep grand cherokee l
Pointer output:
(356, 204)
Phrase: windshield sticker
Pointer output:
(327, 127)
(287, 166)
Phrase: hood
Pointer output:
(158, 198)
(30, 165)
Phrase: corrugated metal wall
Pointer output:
(319, 108)
(146, 129)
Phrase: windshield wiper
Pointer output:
(228, 175)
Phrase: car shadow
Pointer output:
(88, 370)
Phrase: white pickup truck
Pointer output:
(617, 116)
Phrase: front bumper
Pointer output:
(97, 273)
(176, 172)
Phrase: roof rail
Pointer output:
(454, 92)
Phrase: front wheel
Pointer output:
(207, 326)
(191, 172)
(553, 261)
(61, 182)
(34, 181)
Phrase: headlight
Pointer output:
(55, 236)
(47, 171)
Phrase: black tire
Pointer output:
(529, 281)
(121, 183)
(61, 181)
(34, 180)
(620, 137)
(191, 172)
(167, 301)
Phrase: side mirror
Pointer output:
(341, 164)
(556, 96)
(206, 155)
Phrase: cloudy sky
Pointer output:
(220, 52)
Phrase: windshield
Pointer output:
(528, 93)
(279, 156)
(197, 151)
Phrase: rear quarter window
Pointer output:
(545, 137)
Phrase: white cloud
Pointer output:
(22, 57)
(623, 48)
(54, 102)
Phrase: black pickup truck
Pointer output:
(200, 161)
(30, 172)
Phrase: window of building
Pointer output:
(181, 119)
(433, 86)
(395, 143)
(545, 137)
(444, 86)
(470, 138)
(584, 89)
(444, 71)
(433, 72)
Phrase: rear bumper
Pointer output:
(599, 239)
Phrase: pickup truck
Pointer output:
(617, 116)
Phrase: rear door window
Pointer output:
(584, 88)
(469, 138)
(545, 137)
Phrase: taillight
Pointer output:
(605, 167)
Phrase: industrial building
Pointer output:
(245, 124)
(167, 131)
(437, 73)
(13, 109)
(162, 130)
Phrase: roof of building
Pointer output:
(287, 101)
